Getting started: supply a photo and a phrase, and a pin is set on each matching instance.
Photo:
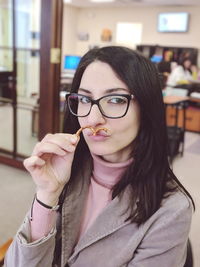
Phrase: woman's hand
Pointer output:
(50, 165)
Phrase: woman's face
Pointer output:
(115, 146)
(187, 64)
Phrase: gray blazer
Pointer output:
(111, 241)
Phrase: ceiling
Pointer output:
(127, 3)
(117, 3)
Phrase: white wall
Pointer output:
(94, 20)
(69, 37)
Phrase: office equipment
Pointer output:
(70, 65)
(173, 22)
(71, 62)
(156, 58)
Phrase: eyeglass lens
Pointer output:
(111, 106)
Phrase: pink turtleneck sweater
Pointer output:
(104, 176)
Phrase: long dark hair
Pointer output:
(150, 175)
(182, 62)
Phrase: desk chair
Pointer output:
(176, 134)
(3, 250)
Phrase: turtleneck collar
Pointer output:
(106, 173)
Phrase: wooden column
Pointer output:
(12, 82)
(50, 57)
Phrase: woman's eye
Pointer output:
(84, 100)
(117, 100)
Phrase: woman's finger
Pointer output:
(63, 142)
(32, 162)
(42, 148)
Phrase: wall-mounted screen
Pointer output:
(71, 62)
(173, 22)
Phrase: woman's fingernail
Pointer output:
(63, 153)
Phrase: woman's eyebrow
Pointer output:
(113, 90)
(107, 91)
(84, 91)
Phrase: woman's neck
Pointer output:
(121, 156)
(107, 173)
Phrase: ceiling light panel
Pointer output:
(67, 1)
(102, 1)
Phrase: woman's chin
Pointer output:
(101, 150)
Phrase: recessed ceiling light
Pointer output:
(102, 1)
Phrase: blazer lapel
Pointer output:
(110, 220)
(72, 212)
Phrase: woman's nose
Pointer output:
(95, 117)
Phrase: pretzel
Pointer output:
(94, 131)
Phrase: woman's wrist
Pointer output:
(47, 199)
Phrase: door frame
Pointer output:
(51, 40)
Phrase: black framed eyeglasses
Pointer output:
(111, 106)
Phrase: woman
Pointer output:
(182, 74)
(119, 202)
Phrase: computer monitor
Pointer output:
(71, 62)
(70, 65)
(156, 58)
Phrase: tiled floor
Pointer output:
(17, 190)
(187, 169)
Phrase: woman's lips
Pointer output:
(98, 133)
(97, 137)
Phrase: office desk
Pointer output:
(194, 99)
(192, 114)
(176, 102)
(173, 99)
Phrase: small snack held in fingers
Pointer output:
(94, 131)
(82, 128)
(100, 129)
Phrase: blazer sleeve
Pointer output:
(165, 242)
(23, 253)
